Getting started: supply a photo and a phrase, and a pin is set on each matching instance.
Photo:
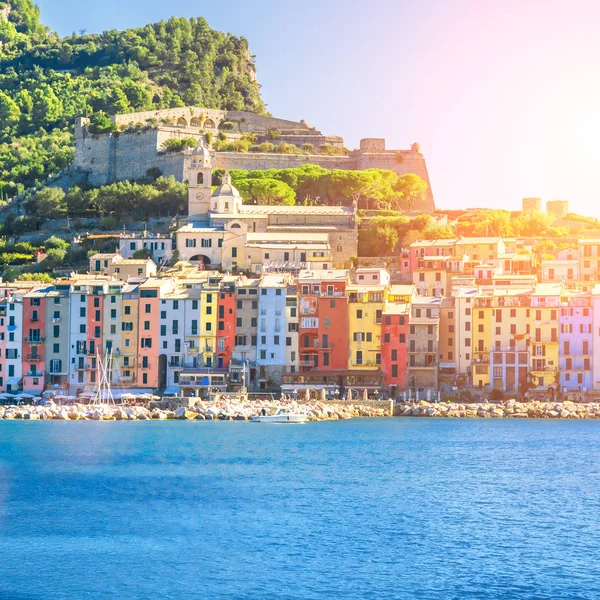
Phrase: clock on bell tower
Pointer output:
(199, 173)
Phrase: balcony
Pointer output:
(35, 357)
(420, 364)
(34, 339)
(34, 374)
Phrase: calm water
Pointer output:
(391, 508)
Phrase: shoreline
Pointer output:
(315, 411)
(200, 411)
(510, 409)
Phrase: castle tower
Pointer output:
(199, 174)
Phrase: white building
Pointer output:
(160, 248)
(271, 346)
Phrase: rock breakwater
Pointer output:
(201, 411)
(507, 410)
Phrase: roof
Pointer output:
(429, 243)
(397, 308)
(287, 238)
(547, 289)
(323, 275)
(290, 245)
(478, 240)
(404, 289)
(134, 261)
(103, 255)
(199, 228)
(296, 210)
(273, 281)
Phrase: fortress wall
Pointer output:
(254, 122)
(401, 163)
(262, 161)
(314, 139)
(187, 112)
(116, 157)
(91, 155)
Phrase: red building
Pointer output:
(394, 355)
(34, 342)
(95, 311)
(226, 318)
(323, 323)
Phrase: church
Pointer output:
(223, 233)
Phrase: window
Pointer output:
(147, 308)
(127, 310)
(145, 378)
(326, 359)
(82, 311)
(359, 358)
(82, 329)
(56, 348)
(359, 314)
(113, 313)
(402, 338)
(190, 243)
(163, 330)
(276, 340)
(146, 342)
(394, 370)
(263, 354)
(394, 355)
(56, 331)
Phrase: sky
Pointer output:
(503, 96)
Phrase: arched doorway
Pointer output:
(201, 258)
(209, 123)
(181, 122)
(195, 122)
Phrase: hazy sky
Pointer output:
(503, 96)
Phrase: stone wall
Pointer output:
(130, 154)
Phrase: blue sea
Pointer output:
(392, 508)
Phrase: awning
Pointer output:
(171, 390)
(13, 380)
(447, 365)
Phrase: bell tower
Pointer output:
(199, 174)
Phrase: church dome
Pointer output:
(226, 188)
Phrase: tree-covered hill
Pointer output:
(46, 81)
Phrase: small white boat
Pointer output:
(282, 415)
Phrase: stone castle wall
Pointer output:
(130, 154)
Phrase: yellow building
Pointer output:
(208, 323)
(366, 304)
(481, 340)
(480, 248)
(544, 343)
(129, 335)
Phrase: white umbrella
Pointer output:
(307, 395)
(350, 394)
(7, 395)
(323, 394)
(24, 395)
(365, 395)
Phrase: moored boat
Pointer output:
(282, 415)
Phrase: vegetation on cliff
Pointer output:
(312, 184)
(46, 81)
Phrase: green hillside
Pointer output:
(46, 81)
